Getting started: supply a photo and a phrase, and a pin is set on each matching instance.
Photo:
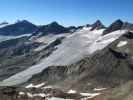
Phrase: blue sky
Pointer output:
(66, 12)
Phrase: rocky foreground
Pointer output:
(42, 92)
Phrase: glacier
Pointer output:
(73, 48)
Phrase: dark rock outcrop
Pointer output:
(129, 35)
(127, 26)
(118, 55)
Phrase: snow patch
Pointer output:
(40, 48)
(21, 93)
(72, 91)
(40, 95)
(122, 43)
(99, 89)
(55, 98)
(35, 86)
(87, 28)
(29, 95)
(90, 95)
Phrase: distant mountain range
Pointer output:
(26, 27)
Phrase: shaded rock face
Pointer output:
(51, 74)
(97, 25)
(117, 25)
(129, 35)
(128, 26)
(18, 55)
(118, 55)
(19, 28)
(17, 46)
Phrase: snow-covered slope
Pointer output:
(4, 25)
(73, 48)
(46, 40)
(4, 38)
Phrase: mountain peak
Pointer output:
(97, 25)
(98, 22)
(116, 25)
(18, 28)
(23, 22)
(118, 22)
(55, 23)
